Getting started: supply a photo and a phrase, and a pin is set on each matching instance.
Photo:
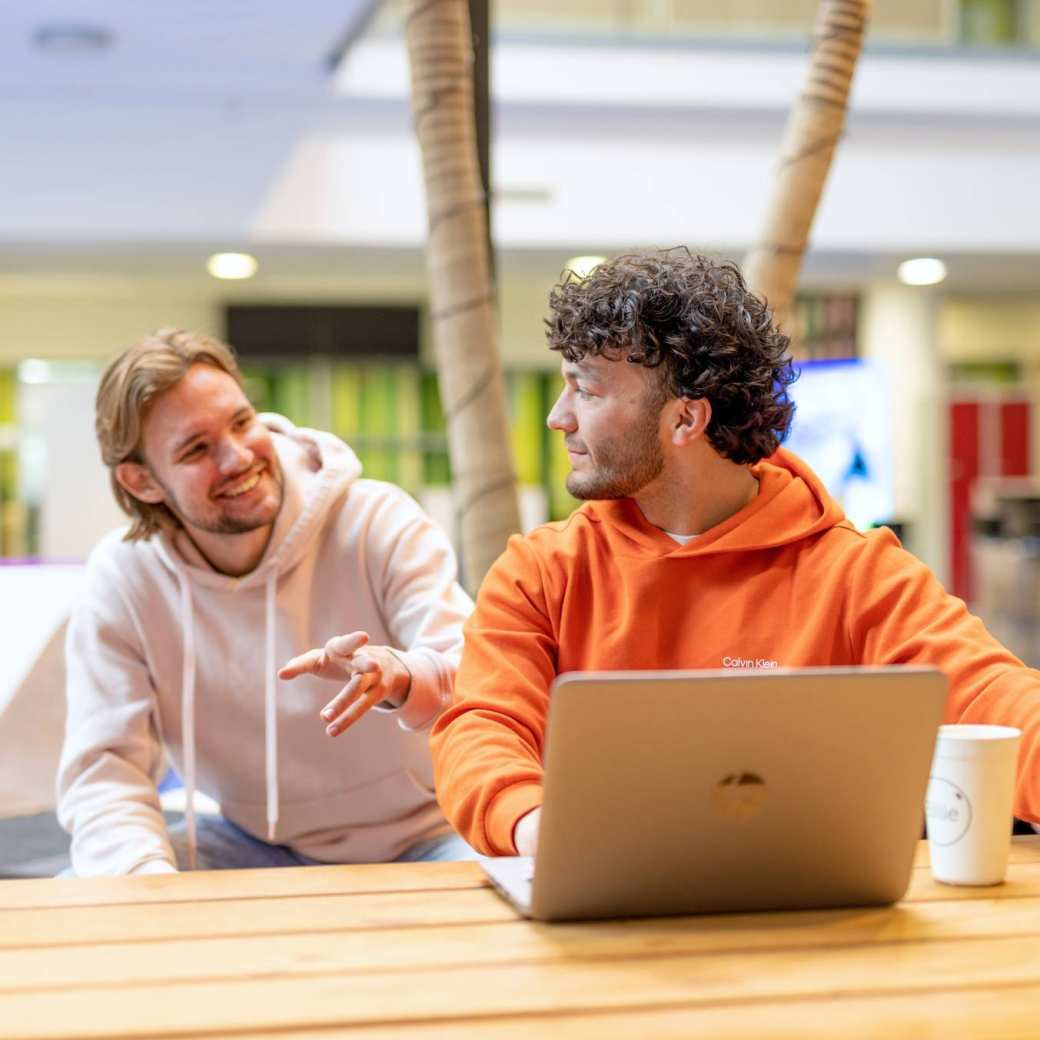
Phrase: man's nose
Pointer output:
(234, 455)
(561, 417)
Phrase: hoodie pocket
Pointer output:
(379, 802)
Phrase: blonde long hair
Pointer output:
(128, 387)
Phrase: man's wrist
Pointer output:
(506, 810)
(525, 832)
(402, 683)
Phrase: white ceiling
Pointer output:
(175, 130)
(220, 123)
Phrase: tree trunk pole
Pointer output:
(469, 370)
(814, 127)
(480, 24)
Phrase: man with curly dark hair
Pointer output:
(701, 544)
(695, 322)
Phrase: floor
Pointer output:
(32, 846)
(36, 846)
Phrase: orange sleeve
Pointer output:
(899, 613)
(487, 747)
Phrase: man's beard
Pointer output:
(221, 523)
(633, 460)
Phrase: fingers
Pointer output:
(350, 704)
(345, 646)
(337, 660)
(333, 661)
(308, 663)
(342, 700)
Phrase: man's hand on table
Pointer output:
(372, 674)
(525, 833)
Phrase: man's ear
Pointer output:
(137, 480)
(691, 420)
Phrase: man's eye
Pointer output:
(243, 421)
(582, 392)
(193, 452)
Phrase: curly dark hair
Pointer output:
(696, 318)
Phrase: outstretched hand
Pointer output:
(372, 674)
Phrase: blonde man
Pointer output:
(251, 541)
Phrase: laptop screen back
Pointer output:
(685, 792)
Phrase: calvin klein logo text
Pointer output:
(749, 662)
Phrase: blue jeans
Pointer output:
(223, 846)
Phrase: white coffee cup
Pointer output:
(968, 808)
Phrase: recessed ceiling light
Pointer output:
(583, 266)
(72, 38)
(232, 265)
(925, 270)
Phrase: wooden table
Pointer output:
(428, 950)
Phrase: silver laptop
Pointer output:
(713, 791)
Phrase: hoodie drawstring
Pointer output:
(188, 714)
(271, 707)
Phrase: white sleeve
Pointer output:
(107, 797)
(423, 603)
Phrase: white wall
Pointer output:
(35, 603)
(60, 468)
(899, 330)
(77, 317)
(622, 145)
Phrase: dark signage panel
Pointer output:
(299, 331)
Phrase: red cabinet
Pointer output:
(989, 436)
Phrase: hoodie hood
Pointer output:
(792, 504)
(316, 469)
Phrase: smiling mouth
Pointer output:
(243, 487)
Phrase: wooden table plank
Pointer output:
(385, 950)
(1025, 848)
(130, 922)
(237, 884)
(543, 987)
(85, 925)
(461, 946)
(301, 881)
(1023, 880)
(298, 881)
(1006, 1014)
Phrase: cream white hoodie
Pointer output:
(165, 651)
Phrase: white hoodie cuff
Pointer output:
(154, 866)
(430, 690)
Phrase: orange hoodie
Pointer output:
(785, 582)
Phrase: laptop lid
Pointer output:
(691, 792)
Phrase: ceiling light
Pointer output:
(925, 270)
(232, 265)
(583, 266)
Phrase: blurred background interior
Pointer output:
(141, 140)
